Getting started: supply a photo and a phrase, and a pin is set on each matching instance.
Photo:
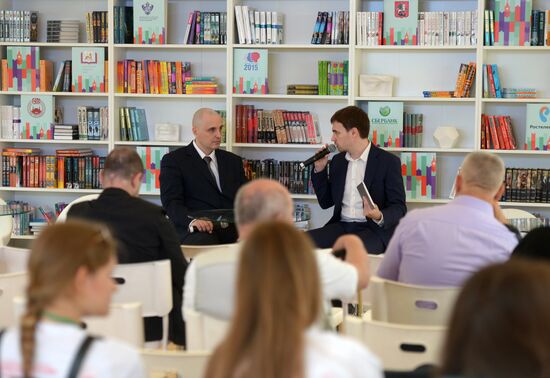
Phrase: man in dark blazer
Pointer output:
(198, 177)
(141, 229)
(358, 161)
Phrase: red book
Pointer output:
(494, 136)
(505, 137)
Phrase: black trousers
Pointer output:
(325, 236)
(218, 236)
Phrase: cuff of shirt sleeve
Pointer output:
(380, 223)
(191, 229)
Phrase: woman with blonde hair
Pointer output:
(69, 272)
(274, 330)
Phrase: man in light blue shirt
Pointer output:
(444, 245)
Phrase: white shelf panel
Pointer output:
(416, 48)
(291, 97)
(52, 44)
(429, 149)
(525, 204)
(292, 47)
(303, 196)
(515, 100)
(58, 94)
(150, 194)
(417, 99)
(432, 201)
(46, 141)
(516, 48)
(279, 146)
(22, 237)
(180, 96)
(45, 190)
(519, 152)
(157, 143)
(174, 46)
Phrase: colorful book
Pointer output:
(419, 174)
(250, 71)
(150, 20)
(37, 113)
(512, 25)
(23, 69)
(386, 123)
(88, 66)
(537, 127)
(151, 157)
(400, 22)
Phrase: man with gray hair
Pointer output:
(444, 245)
(259, 201)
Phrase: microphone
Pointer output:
(319, 155)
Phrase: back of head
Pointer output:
(499, 327)
(482, 170)
(56, 256)
(534, 245)
(262, 200)
(353, 116)
(123, 163)
(278, 298)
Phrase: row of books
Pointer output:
(496, 133)
(22, 215)
(527, 185)
(91, 79)
(288, 173)
(206, 28)
(97, 27)
(519, 92)
(302, 216)
(93, 123)
(465, 79)
(333, 78)
(447, 28)
(369, 28)
(258, 27)
(65, 31)
(331, 28)
(133, 124)
(275, 126)
(491, 82)
(302, 89)
(68, 168)
(123, 17)
(540, 30)
(18, 26)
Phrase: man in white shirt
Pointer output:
(358, 162)
(210, 278)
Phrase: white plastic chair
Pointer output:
(6, 226)
(13, 259)
(12, 285)
(185, 364)
(400, 347)
(396, 302)
(511, 213)
(62, 217)
(148, 283)
(203, 332)
(191, 251)
(124, 322)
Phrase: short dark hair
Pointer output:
(123, 162)
(352, 116)
(534, 245)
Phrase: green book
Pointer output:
(250, 68)
(400, 22)
(537, 127)
(386, 123)
(88, 66)
(150, 20)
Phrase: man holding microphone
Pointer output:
(358, 162)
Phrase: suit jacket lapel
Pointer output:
(372, 165)
(201, 165)
(341, 181)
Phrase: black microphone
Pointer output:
(319, 155)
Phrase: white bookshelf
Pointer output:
(415, 68)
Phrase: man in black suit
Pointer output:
(141, 229)
(198, 177)
(358, 161)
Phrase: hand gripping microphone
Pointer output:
(319, 155)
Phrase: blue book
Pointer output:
(141, 125)
(133, 124)
(497, 81)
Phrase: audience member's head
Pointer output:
(535, 245)
(499, 327)
(481, 175)
(261, 200)
(70, 275)
(207, 129)
(278, 298)
(124, 170)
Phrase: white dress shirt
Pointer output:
(213, 164)
(352, 203)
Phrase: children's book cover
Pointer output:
(512, 22)
(88, 64)
(400, 22)
(250, 71)
(537, 127)
(151, 157)
(37, 113)
(386, 123)
(150, 18)
(23, 69)
(419, 174)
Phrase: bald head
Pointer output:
(207, 129)
(262, 200)
(482, 171)
(201, 117)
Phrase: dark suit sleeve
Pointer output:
(395, 207)
(240, 172)
(322, 186)
(172, 192)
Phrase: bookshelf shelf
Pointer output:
(293, 47)
(437, 200)
(291, 97)
(418, 99)
(519, 152)
(54, 44)
(23, 237)
(516, 48)
(514, 100)
(47, 190)
(279, 146)
(174, 46)
(178, 96)
(157, 143)
(416, 48)
(304, 196)
(525, 204)
(57, 94)
(428, 149)
(103, 143)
